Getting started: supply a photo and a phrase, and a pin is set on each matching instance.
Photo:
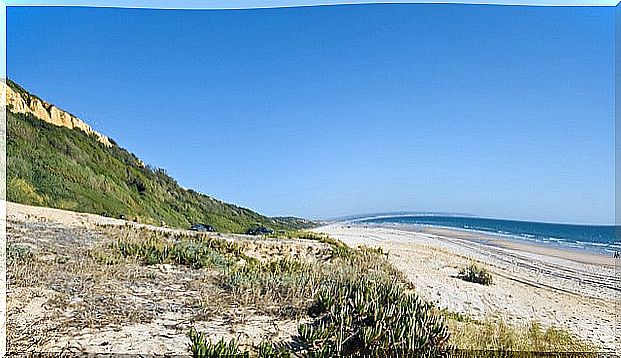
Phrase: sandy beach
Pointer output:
(55, 300)
(80, 306)
(567, 289)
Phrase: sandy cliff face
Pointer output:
(26, 103)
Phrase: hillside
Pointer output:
(56, 160)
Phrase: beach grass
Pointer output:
(476, 274)
(495, 335)
(359, 303)
(350, 301)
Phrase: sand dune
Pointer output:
(573, 290)
(150, 309)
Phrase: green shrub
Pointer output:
(152, 248)
(476, 274)
(18, 253)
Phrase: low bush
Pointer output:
(18, 253)
(150, 248)
(476, 274)
(368, 317)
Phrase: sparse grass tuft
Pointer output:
(281, 287)
(498, 336)
(374, 250)
(456, 316)
(476, 274)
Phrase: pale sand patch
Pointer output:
(163, 336)
(568, 290)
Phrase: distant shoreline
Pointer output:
(581, 247)
(359, 218)
(510, 242)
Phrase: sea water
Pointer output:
(600, 238)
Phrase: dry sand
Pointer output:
(81, 306)
(561, 288)
(149, 310)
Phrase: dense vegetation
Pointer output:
(358, 302)
(354, 303)
(68, 169)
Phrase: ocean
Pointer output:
(599, 238)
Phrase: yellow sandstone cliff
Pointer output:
(26, 103)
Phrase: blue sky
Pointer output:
(499, 111)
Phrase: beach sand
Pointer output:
(62, 301)
(566, 289)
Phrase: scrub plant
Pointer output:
(476, 274)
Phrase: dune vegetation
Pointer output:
(335, 299)
(357, 303)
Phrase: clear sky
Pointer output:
(499, 111)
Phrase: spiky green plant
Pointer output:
(268, 350)
(16, 252)
(369, 317)
(201, 347)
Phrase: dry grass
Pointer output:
(107, 277)
(496, 335)
(77, 290)
(115, 276)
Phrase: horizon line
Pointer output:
(397, 214)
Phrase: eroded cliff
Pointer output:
(23, 102)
